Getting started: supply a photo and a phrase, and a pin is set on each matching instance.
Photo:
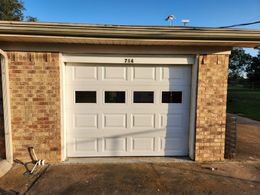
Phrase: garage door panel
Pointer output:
(171, 120)
(172, 73)
(174, 144)
(129, 128)
(176, 74)
(143, 144)
(143, 120)
(86, 120)
(114, 73)
(114, 120)
(115, 145)
(128, 146)
(143, 73)
(85, 73)
(86, 144)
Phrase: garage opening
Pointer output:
(127, 110)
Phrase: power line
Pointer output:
(243, 24)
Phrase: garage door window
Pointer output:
(85, 96)
(171, 97)
(114, 97)
(143, 96)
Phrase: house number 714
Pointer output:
(129, 60)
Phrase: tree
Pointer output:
(12, 10)
(238, 63)
(31, 19)
(253, 71)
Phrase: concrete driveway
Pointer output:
(137, 178)
(148, 175)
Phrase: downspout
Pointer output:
(6, 106)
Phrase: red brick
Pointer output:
(32, 75)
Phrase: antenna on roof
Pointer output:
(185, 22)
(170, 18)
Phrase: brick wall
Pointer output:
(35, 104)
(2, 132)
(211, 107)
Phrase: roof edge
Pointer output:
(70, 30)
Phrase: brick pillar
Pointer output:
(211, 107)
(34, 79)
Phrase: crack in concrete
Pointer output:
(37, 179)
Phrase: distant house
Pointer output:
(75, 90)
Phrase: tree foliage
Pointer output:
(238, 63)
(253, 71)
(31, 19)
(244, 69)
(12, 10)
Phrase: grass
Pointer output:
(244, 101)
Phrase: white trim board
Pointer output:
(153, 59)
(62, 108)
(193, 106)
(6, 107)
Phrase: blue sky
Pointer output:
(208, 13)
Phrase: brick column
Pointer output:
(35, 104)
(211, 107)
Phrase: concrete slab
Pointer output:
(126, 160)
(5, 166)
(137, 178)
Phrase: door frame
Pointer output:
(131, 60)
(6, 106)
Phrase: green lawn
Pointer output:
(244, 101)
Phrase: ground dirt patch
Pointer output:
(248, 139)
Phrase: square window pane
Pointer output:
(114, 97)
(171, 97)
(85, 96)
(143, 97)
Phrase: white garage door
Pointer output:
(115, 110)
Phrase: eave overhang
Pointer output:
(126, 35)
